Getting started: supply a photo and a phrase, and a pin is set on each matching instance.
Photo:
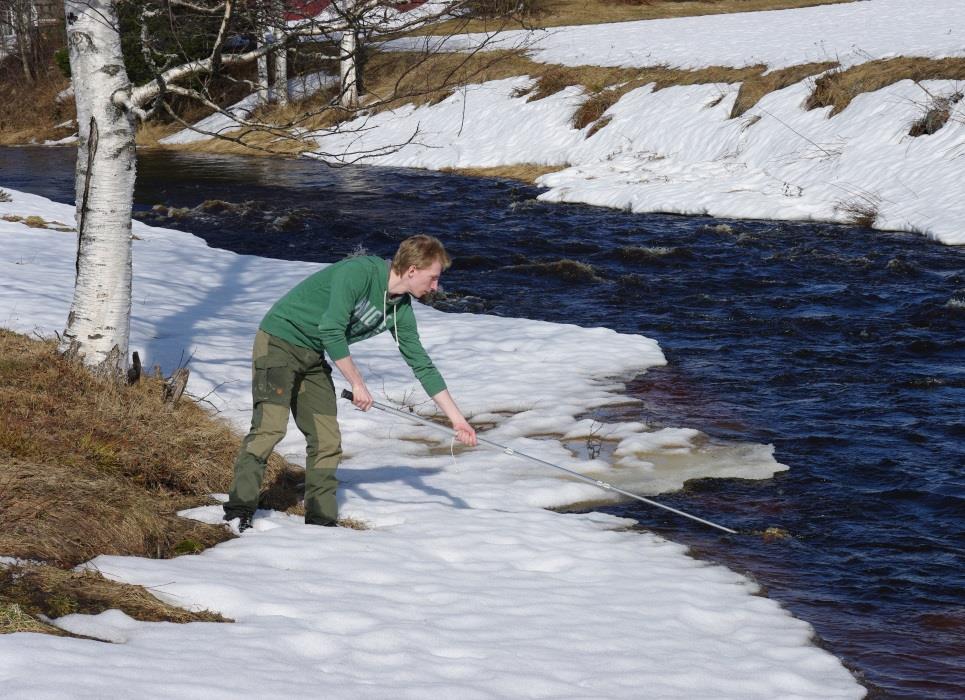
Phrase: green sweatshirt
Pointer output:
(348, 302)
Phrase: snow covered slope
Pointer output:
(677, 150)
(465, 586)
(849, 33)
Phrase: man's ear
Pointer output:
(412, 270)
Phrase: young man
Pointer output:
(349, 301)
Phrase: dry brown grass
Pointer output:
(860, 209)
(605, 86)
(88, 467)
(838, 88)
(525, 172)
(29, 113)
(391, 80)
(53, 592)
(754, 88)
(394, 80)
(149, 133)
(557, 13)
(37, 222)
(937, 113)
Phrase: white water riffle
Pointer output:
(465, 586)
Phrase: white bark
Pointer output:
(98, 326)
(21, 16)
(279, 91)
(281, 71)
(348, 69)
(262, 84)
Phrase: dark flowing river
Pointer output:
(843, 347)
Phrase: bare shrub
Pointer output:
(599, 124)
(936, 115)
(860, 210)
(593, 108)
(551, 82)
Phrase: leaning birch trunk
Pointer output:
(348, 70)
(98, 325)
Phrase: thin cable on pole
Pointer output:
(346, 394)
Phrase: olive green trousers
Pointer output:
(287, 378)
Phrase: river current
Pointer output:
(843, 347)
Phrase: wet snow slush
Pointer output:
(843, 347)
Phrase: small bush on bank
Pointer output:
(860, 210)
(936, 115)
(594, 107)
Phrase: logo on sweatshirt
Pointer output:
(366, 319)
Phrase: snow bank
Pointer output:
(849, 33)
(464, 585)
(676, 150)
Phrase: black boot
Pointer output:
(244, 519)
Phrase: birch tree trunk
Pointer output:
(281, 72)
(22, 11)
(262, 89)
(348, 69)
(98, 326)
(280, 80)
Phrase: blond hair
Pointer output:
(421, 251)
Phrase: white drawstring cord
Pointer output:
(395, 317)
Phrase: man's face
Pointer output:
(421, 282)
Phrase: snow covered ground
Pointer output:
(464, 585)
(849, 33)
(677, 150)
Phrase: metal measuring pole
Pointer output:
(346, 394)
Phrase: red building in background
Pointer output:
(306, 9)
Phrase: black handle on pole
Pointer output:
(346, 394)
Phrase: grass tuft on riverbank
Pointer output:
(88, 467)
(394, 80)
(559, 13)
(524, 172)
(416, 79)
(838, 88)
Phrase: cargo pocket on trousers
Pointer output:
(273, 381)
